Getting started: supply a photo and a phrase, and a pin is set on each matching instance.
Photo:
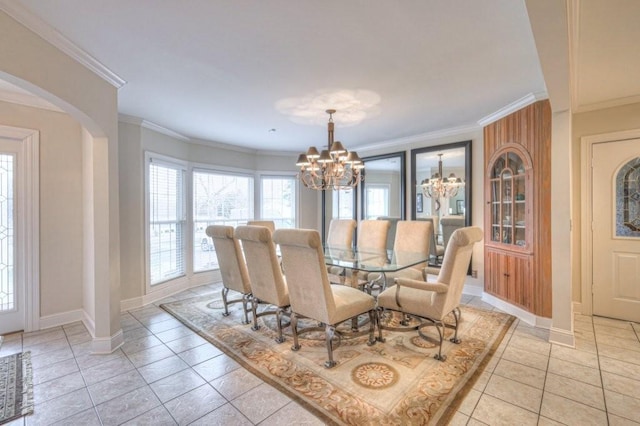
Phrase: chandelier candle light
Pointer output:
(334, 168)
(438, 186)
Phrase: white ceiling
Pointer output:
(230, 71)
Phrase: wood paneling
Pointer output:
(518, 276)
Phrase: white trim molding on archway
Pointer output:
(28, 208)
(587, 142)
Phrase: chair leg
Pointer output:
(330, 332)
(372, 327)
(457, 315)
(254, 311)
(294, 331)
(225, 291)
(379, 311)
(246, 298)
(280, 338)
(440, 327)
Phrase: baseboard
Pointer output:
(61, 318)
(90, 324)
(473, 290)
(562, 337)
(171, 288)
(526, 316)
(106, 345)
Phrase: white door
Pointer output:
(12, 288)
(616, 229)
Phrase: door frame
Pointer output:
(586, 231)
(28, 258)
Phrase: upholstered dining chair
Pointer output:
(449, 225)
(271, 225)
(411, 236)
(233, 268)
(436, 251)
(372, 237)
(341, 232)
(268, 285)
(433, 301)
(310, 293)
(340, 235)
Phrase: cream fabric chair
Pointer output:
(372, 238)
(268, 285)
(341, 233)
(449, 225)
(434, 301)
(310, 293)
(412, 236)
(271, 225)
(233, 269)
(436, 251)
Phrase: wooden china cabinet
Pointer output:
(517, 152)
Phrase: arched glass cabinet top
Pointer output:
(508, 199)
(628, 200)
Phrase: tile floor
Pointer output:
(165, 374)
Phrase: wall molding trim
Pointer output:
(27, 100)
(520, 313)
(562, 337)
(514, 106)
(27, 18)
(63, 318)
(106, 345)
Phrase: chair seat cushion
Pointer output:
(349, 303)
(414, 301)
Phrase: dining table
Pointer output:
(371, 261)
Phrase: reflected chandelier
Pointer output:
(438, 186)
(333, 168)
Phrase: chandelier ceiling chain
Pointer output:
(334, 168)
(438, 186)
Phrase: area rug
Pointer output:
(395, 382)
(16, 386)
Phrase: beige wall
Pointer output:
(60, 204)
(134, 140)
(607, 120)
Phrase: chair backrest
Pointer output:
(413, 236)
(453, 271)
(271, 225)
(391, 234)
(267, 281)
(450, 224)
(372, 234)
(310, 293)
(233, 269)
(433, 247)
(341, 233)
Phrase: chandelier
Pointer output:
(333, 168)
(438, 186)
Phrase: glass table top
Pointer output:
(372, 261)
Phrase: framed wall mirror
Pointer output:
(447, 203)
(383, 187)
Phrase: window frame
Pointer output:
(296, 191)
(155, 158)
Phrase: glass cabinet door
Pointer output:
(508, 200)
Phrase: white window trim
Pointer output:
(258, 194)
(156, 158)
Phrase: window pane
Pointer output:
(167, 222)
(278, 202)
(7, 283)
(377, 201)
(218, 199)
(343, 204)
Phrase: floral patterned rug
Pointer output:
(395, 382)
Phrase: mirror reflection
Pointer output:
(441, 190)
(383, 186)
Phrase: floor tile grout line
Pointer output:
(604, 397)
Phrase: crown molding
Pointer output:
(152, 126)
(438, 134)
(27, 18)
(514, 106)
(27, 100)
